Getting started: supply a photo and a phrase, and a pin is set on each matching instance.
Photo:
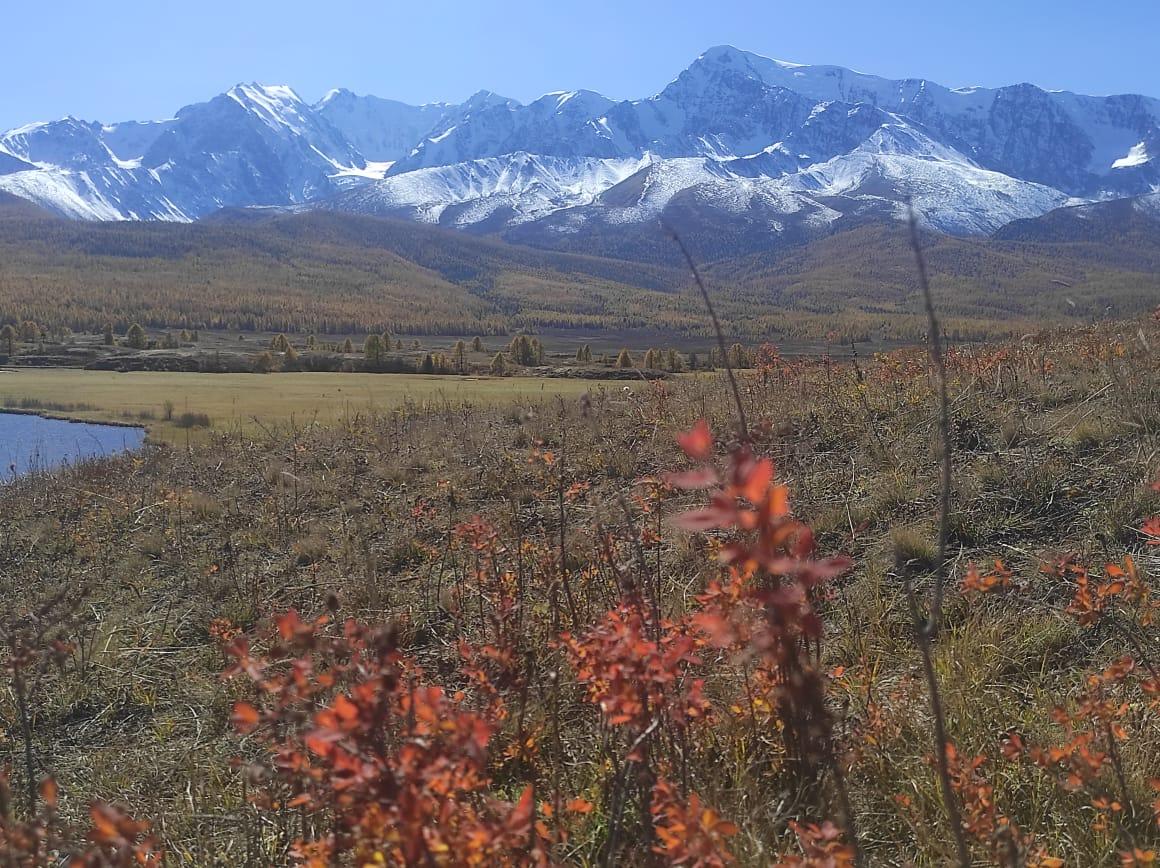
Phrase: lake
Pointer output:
(32, 443)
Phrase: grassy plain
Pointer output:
(1055, 450)
(247, 401)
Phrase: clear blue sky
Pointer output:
(133, 59)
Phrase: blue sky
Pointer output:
(131, 59)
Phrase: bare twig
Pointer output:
(742, 424)
(926, 628)
(934, 343)
(940, 730)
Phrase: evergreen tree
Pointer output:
(108, 338)
(477, 344)
(8, 336)
(498, 365)
(522, 350)
(460, 355)
(652, 360)
(373, 351)
(348, 347)
(135, 337)
(624, 359)
(428, 366)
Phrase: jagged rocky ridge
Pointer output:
(739, 146)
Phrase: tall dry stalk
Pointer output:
(925, 628)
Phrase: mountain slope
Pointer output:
(751, 151)
(334, 273)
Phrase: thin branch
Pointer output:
(934, 343)
(742, 424)
(926, 628)
(940, 731)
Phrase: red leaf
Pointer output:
(704, 477)
(755, 486)
(702, 519)
(345, 709)
(520, 819)
(245, 717)
(698, 442)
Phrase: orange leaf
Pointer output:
(245, 717)
(698, 442)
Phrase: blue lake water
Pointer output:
(30, 443)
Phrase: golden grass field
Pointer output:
(244, 401)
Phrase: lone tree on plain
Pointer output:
(135, 337)
(373, 350)
(8, 336)
(290, 359)
(522, 351)
(263, 363)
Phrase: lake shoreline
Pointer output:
(33, 442)
(76, 420)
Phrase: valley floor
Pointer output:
(247, 402)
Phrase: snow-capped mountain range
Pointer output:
(738, 143)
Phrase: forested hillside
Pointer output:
(342, 274)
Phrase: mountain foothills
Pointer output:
(330, 273)
(738, 146)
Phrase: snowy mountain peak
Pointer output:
(738, 141)
(277, 105)
(729, 55)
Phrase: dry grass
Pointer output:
(252, 522)
(246, 402)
